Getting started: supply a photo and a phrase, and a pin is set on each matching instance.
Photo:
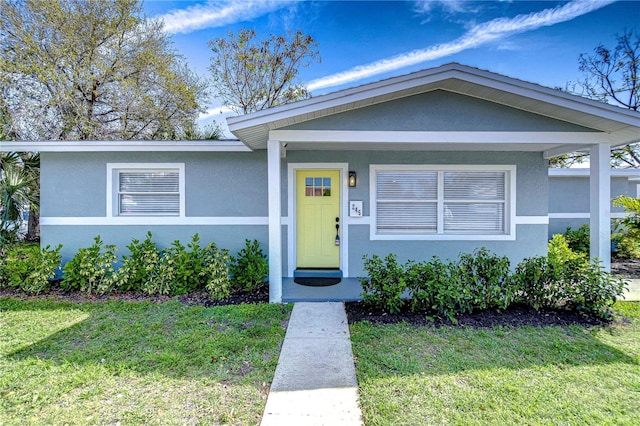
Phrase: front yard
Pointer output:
(410, 375)
(128, 362)
(136, 362)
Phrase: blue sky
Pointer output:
(364, 41)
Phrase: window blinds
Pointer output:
(407, 202)
(440, 202)
(149, 192)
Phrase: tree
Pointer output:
(612, 76)
(18, 188)
(88, 70)
(251, 75)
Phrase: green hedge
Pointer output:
(483, 280)
(175, 270)
(29, 268)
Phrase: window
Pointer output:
(146, 189)
(441, 200)
(317, 187)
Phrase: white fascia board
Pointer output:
(555, 97)
(125, 146)
(316, 136)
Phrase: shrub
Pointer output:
(216, 271)
(560, 253)
(385, 284)
(91, 269)
(587, 288)
(628, 244)
(30, 268)
(578, 240)
(434, 286)
(628, 238)
(185, 269)
(631, 207)
(486, 276)
(575, 285)
(138, 268)
(162, 276)
(250, 267)
(536, 282)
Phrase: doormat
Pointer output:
(316, 281)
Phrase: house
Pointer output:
(573, 211)
(436, 162)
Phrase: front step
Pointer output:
(317, 273)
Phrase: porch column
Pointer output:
(275, 228)
(600, 198)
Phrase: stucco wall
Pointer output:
(531, 200)
(438, 111)
(73, 185)
(531, 173)
(218, 184)
(230, 237)
(235, 185)
(569, 199)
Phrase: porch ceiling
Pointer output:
(617, 126)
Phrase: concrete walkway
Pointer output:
(315, 380)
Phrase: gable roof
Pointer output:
(619, 125)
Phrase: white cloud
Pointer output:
(477, 35)
(427, 6)
(214, 112)
(215, 14)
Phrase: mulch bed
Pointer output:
(515, 316)
(628, 268)
(195, 298)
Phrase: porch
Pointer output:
(348, 289)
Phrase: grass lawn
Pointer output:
(136, 362)
(527, 376)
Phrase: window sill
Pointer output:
(443, 237)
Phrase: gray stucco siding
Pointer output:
(235, 185)
(571, 196)
(531, 200)
(227, 184)
(531, 171)
(559, 226)
(76, 236)
(216, 184)
(438, 110)
(531, 241)
(72, 184)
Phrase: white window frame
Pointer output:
(510, 202)
(113, 170)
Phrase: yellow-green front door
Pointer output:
(318, 213)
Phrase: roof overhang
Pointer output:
(125, 146)
(611, 124)
(547, 142)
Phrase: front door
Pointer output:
(318, 213)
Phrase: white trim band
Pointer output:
(154, 221)
(531, 220)
(615, 215)
(126, 146)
